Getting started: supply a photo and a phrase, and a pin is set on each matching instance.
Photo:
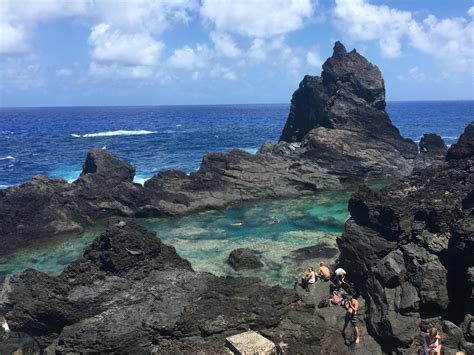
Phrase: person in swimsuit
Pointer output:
(352, 305)
(432, 343)
(324, 273)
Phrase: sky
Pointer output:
(177, 52)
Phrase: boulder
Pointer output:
(244, 258)
(464, 148)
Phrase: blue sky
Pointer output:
(158, 52)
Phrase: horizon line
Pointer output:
(223, 104)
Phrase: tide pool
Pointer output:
(207, 238)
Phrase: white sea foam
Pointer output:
(140, 179)
(120, 132)
(250, 150)
(178, 125)
(8, 157)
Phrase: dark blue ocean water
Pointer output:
(54, 141)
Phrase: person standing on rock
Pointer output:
(432, 343)
(352, 305)
(340, 277)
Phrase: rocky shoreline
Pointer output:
(408, 249)
(337, 134)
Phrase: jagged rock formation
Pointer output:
(132, 294)
(352, 141)
(410, 248)
(43, 206)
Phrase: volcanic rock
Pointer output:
(244, 258)
(432, 151)
(410, 249)
(464, 148)
(116, 300)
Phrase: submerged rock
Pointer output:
(320, 251)
(244, 258)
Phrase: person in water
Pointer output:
(275, 219)
(324, 273)
(4, 329)
(309, 278)
(340, 277)
(432, 343)
(352, 306)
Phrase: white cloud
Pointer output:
(201, 62)
(364, 22)
(225, 45)
(449, 40)
(257, 52)
(414, 74)
(470, 12)
(313, 59)
(20, 73)
(13, 39)
(63, 72)
(130, 48)
(115, 70)
(257, 18)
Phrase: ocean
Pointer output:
(54, 141)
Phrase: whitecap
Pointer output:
(250, 150)
(178, 125)
(104, 147)
(450, 137)
(113, 133)
(8, 157)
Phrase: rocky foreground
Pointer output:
(408, 249)
(132, 294)
(337, 134)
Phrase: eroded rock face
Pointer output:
(410, 248)
(433, 151)
(464, 147)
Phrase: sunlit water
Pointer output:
(207, 238)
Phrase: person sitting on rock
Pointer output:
(4, 329)
(432, 343)
(324, 273)
(352, 306)
(309, 278)
(340, 277)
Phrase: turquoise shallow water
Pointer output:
(207, 238)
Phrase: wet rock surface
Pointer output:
(130, 293)
(410, 249)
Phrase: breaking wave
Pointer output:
(113, 133)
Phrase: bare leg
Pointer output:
(356, 333)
